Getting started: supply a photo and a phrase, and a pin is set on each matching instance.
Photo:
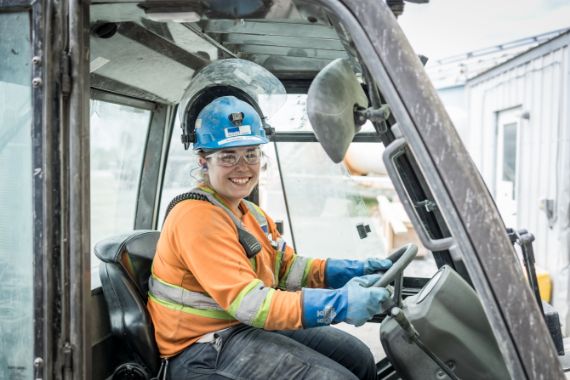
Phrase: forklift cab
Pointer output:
(93, 98)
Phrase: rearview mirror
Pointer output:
(333, 97)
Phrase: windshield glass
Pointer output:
(292, 116)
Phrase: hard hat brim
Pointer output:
(233, 142)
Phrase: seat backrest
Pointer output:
(124, 271)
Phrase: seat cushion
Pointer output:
(133, 252)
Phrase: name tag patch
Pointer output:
(238, 131)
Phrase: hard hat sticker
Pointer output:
(198, 124)
(238, 131)
(251, 139)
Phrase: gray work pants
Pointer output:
(248, 353)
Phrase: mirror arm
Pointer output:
(375, 115)
(269, 130)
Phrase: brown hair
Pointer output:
(203, 176)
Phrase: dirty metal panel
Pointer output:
(99, 82)
(290, 67)
(292, 52)
(117, 12)
(184, 36)
(269, 28)
(161, 45)
(284, 41)
(126, 61)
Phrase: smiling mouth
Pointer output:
(241, 180)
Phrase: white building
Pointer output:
(517, 130)
(450, 75)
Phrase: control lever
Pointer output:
(414, 336)
(401, 258)
(524, 239)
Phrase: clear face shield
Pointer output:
(246, 80)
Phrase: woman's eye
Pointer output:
(227, 158)
(253, 154)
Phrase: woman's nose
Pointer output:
(241, 162)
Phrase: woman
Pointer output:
(228, 298)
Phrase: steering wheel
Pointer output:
(401, 258)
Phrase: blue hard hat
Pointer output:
(228, 122)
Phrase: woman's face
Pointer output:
(233, 182)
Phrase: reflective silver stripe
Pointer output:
(281, 243)
(279, 255)
(181, 296)
(213, 200)
(256, 211)
(258, 215)
(252, 303)
(295, 277)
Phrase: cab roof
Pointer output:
(154, 48)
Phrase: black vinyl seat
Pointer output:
(124, 272)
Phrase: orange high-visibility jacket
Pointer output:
(199, 259)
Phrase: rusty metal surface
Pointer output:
(77, 111)
(47, 190)
(107, 84)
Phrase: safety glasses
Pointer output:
(230, 158)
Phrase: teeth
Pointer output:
(240, 181)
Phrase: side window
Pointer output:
(181, 174)
(118, 135)
(16, 229)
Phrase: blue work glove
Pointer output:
(339, 272)
(355, 303)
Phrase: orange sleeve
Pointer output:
(207, 239)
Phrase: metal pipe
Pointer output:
(209, 39)
(79, 349)
(285, 196)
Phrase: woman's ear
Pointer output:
(202, 162)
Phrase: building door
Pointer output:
(506, 169)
